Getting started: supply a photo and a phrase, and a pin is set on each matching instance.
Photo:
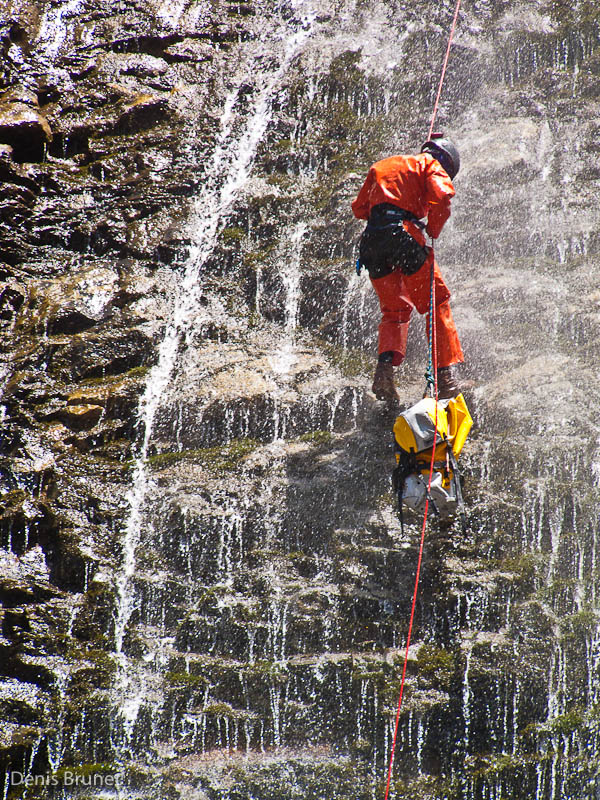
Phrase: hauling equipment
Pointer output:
(414, 432)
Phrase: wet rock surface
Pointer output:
(204, 583)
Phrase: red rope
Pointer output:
(432, 333)
(443, 75)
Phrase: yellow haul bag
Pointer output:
(414, 429)
(414, 432)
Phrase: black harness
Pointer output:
(385, 245)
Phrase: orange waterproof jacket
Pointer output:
(416, 183)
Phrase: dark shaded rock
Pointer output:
(25, 580)
(22, 126)
(78, 302)
(81, 417)
(12, 297)
(100, 354)
(141, 113)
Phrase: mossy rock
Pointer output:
(186, 680)
(436, 667)
(317, 438)
(98, 675)
(220, 459)
(580, 626)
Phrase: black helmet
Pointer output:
(445, 152)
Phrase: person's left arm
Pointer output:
(440, 192)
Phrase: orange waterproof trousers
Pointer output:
(398, 294)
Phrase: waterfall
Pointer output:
(158, 380)
(284, 358)
(240, 133)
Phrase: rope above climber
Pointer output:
(398, 194)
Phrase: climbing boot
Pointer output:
(383, 383)
(447, 384)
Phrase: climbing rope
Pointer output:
(431, 373)
(431, 376)
(433, 363)
(445, 64)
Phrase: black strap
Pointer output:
(385, 214)
(400, 509)
(460, 505)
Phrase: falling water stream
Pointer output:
(240, 132)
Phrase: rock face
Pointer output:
(205, 586)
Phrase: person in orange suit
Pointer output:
(399, 192)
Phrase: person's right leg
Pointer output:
(393, 333)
